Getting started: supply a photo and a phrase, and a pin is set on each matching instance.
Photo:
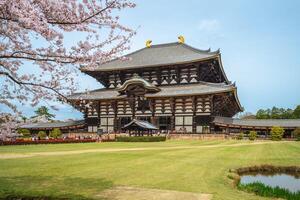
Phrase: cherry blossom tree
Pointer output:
(36, 62)
(7, 124)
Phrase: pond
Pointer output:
(285, 181)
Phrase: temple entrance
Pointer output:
(164, 123)
(140, 128)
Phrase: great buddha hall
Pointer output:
(171, 88)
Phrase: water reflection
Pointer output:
(285, 181)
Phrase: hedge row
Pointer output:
(24, 142)
(141, 139)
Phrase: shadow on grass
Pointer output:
(50, 188)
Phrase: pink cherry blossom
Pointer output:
(35, 62)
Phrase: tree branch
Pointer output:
(85, 19)
(32, 84)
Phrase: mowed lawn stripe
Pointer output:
(103, 150)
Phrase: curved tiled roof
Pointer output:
(192, 89)
(50, 125)
(98, 94)
(142, 124)
(138, 80)
(158, 55)
(286, 123)
(165, 91)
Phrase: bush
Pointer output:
(25, 132)
(252, 135)
(296, 134)
(141, 139)
(277, 133)
(42, 135)
(240, 136)
(267, 191)
(55, 133)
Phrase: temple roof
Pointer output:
(158, 55)
(135, 123)
(201, 88)
(285, 123)
(50, 125)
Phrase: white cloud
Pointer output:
(209, 25)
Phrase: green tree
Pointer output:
(55, 133)
(275, 113)
(278, 113)
(240, 136)
(288, 114)
(263, 114)
(252, 135)
(25, 132)
(43, 110)
(296, 113)
(246, 115)
(42, 135)
(296, 134)
(277, 133)
(24, 118)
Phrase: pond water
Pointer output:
(285, 181)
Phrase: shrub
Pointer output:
(277, 133)
(252, 135)
(240, 136)
(141, 139)
(55, 133)
(42, 134)
(25, 132)
(296, 134)
(267, 191)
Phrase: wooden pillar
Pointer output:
(115, 108)
(122, 77)
(159, 78)
(99, 114)
(199, 78)
(152, 109)
(131, 101)
(194, 104)
(189, 75)
(172, 104)
(177, 74)
(211, 99)
(169, 78)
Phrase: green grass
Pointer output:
(202, 169)
(267, 191)
(141, 139)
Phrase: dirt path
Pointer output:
(134, 193)
(58, 153)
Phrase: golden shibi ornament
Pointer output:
(181, 39)
(148, 43)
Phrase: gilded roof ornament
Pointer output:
(181, 39)
(148, 43)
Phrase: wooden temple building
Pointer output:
(174, 87)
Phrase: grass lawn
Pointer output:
(83, 171)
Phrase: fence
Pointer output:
(197, 136)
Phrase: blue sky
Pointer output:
(259, 42)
